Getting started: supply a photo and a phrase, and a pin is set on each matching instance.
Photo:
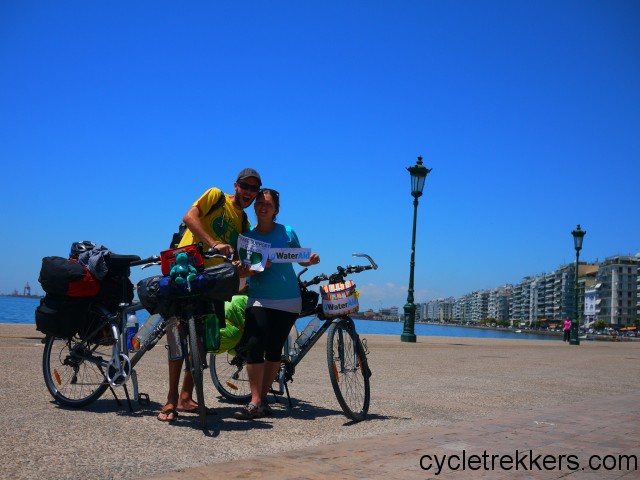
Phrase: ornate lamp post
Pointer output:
(418, 175)
(578, 235)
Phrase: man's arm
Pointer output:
(194, 223)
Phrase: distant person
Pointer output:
(217, 225)
(566, 330)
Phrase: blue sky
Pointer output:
(116, 116)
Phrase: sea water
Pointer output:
(21, 310)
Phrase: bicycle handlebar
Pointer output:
(155, 259)
(340, 273)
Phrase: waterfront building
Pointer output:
(439, 310)
(617, 290)
(499, 303)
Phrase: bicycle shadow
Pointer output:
(222, 420)
(304, 410)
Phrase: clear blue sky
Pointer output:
(115, 116)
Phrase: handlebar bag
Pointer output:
(168, 258)
(339, 299)
(219, 282)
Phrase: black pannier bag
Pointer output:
(62, 316)
(57, 273)
(219, 282)
(149, 293)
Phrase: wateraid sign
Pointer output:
(339, 306)
(289, 255)
(339, 299)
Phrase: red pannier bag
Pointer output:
(61, 276)
(168, 258)
(85, 287)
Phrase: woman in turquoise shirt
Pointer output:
(272, 307)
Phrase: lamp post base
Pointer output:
(408, 337)
(574, 342)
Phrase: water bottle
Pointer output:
(131, 330)
(291, 347)
(312, 327)
(146, 330)
(174, 343)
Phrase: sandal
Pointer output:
(268, 411)
(168, 410)
(249, 412)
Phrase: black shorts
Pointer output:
(265, 331)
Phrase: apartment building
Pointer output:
(439, 310)
(498, 305)
(617, 290)
(608, 291)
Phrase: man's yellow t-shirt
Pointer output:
(224, 224)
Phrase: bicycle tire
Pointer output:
(72, 367)
(349, 377)
(196, 370)
(229, 375)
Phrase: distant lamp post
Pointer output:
(578, 235)
(418, 175)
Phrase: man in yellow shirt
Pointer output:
(216, 224)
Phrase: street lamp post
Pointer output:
(418, 175)
(578, 235)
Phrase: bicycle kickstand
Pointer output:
(286, 389)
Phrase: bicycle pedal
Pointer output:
(143, 399)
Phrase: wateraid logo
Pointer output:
(350, 303)
(301, 256)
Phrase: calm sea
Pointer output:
(21, 310)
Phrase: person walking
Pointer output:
(566, 330)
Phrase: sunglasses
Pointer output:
(247, 186)
(273, 192)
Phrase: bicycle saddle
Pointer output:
(121, 261)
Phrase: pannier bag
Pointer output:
(149, 293)
(339, 299)
(219, 282)
(61, 276)
(61, 316)
(168, 258)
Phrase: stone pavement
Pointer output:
(441, 395)
(595, 439)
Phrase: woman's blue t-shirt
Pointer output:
(279, 281)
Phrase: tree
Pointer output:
(599, 325)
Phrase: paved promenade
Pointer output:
(516, 403)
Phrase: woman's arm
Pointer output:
(314, 259)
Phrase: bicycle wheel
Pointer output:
(73, 368)
(348, 369)
(229, 375)
(196, 370)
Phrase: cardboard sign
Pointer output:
(253, 252)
